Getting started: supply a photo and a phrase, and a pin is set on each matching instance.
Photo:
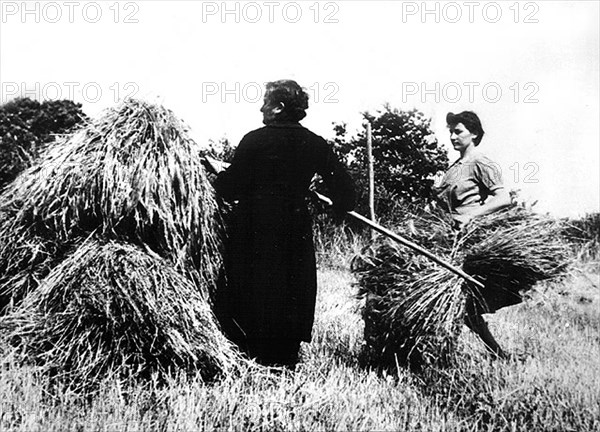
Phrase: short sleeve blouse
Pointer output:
(468, 183)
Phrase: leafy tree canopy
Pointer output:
(406, 156)
(27, 125)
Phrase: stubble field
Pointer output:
(551, 383)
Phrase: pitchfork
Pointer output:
(216, 166)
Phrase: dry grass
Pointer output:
(125, 302)
(131, 175)
(114, 309)
(511, 251)
(135, 300)
(25, 259)
(414, 308)
(555, 387)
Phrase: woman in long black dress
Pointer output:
(270, 264)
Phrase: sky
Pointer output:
(530, 70)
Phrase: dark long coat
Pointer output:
(270, 259)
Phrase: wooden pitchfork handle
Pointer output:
(407, 243)
(217, 166)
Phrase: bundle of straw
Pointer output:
(25, 258)
(510, 251)
(132, 175)
(136, 299)
(112, 308)
(414, 309)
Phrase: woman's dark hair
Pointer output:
(471, 122)
(293, 97)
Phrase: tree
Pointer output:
(406, 157)
(27, 125)
(221, 150)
